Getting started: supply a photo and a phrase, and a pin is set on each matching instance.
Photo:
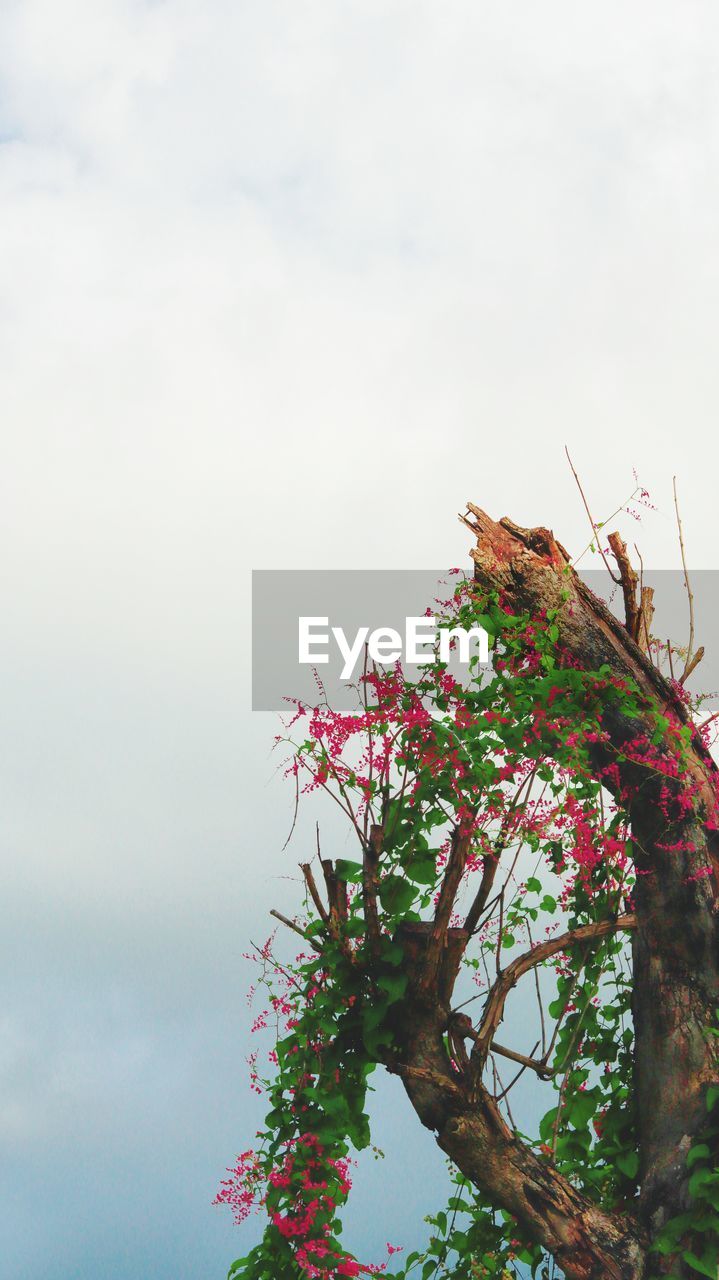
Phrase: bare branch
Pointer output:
(490, 862)
(314, 891)
(592, 522)
(297, 807)
(454, 871)
(460, 1028)
(526, 1062)
(336, 895)
(689, 666)
(534, 1064)
(496, 1000)
(646, 615)
(371, 851)
(694, 663)
(295, 928)
(629, 580)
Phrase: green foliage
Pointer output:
(694, 1235)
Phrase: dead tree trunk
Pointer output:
(675, 953)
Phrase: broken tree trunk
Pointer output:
(675, 957)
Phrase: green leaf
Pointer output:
(422, 870)
(456, 1203)
(392, 952)
(350, 871)
(546, 1124)
(706, 1265)
(396, 894)
(699, 1179)
(395, 984)
(628, 1162)
(712, 1096)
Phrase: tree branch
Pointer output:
(295, 928)
(371, 851)
(306, 870)
(454, 871)
(689, 665)
(595, 526)
(587, 1242)
(497, 998)
(629, 580)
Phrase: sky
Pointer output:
(282, 285)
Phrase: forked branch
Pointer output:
(459, 848)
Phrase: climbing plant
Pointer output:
(550, 818)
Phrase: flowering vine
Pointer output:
(493, 818)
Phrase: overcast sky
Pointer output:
(283, 284)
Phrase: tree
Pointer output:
(574, 759)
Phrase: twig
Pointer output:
(567, 1068)
(623, 506)
(527, 1061)
(646, 610)
(490, 861)
(503, 1095)
(539, 997)
(460, 1028)
(689, 666)
(448, 1235)
(694, 663)
(314, 892)
(500, 930)
(295, 928)
(558, 1023)
(558, 1116)
(591, 520)
(346, 807)
(265, 956)
(297, 806)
